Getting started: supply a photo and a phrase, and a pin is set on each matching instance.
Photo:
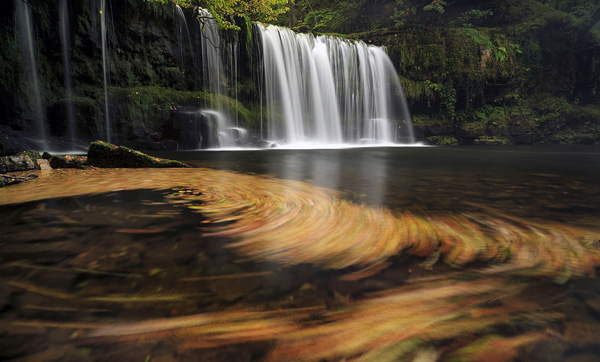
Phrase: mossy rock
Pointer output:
(33, 155)
(68, 161)
(106, 155)
(16, 163)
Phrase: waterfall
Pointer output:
(30, 64)
(184, 34)
(105, 65)
(233, 74)
(213, 73)
(330, 90)
(63, 12)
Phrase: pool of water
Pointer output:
(425, 253)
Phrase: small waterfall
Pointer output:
(30, 63)
(329, 90)
(224, 139)
(63, 12)
(213, 73)
(183, 33)
(105, 72)
(233, 74)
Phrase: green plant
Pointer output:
(472, 16)
(436, 5)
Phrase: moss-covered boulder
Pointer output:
(68, 161)
(33, 155)
(106, 155)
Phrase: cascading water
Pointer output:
(184, 38)
(105, 73)
(30, 63)
(233, 73)
(326, 131)
(329, 90)
(212, 64)
(63, 10)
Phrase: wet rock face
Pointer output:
(12, 142)
(16, 163)
(587, 87)
(195, 130)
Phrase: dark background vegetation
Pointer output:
(474, 72)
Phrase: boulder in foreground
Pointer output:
(16, 163)
(106, 155)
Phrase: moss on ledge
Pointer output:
(106, 155)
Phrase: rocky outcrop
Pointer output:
(16, 163)
(106, 155)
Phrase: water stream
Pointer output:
(184, 39)
(30, 63)
(65, 40)
(105, 71)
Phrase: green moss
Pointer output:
(34, 155)
(149, 106)
(68, 161)
(442, 140)
(106, 155)
(492, 140)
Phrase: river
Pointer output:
(400, 253)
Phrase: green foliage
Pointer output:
(442, 140)
(225, 11)
(472, 16)
(342, 17)
(478, 38)
(500, 54)
(402, 13)
(436, 5)
(10, 64)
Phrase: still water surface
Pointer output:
(275, 260)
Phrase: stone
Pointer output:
(7, 180)
(34, 155)
(43, 164)
(16, 163)
(78, 162)
(196, 129)
(106, 155)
